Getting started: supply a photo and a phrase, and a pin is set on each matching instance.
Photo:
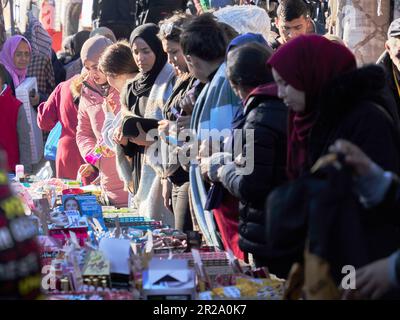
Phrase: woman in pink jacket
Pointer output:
(95, 91)
(62, 106)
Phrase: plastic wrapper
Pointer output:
(247, 289)
(245, 19)
(45, 173)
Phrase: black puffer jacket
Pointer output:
(267, 116)
(357, 107)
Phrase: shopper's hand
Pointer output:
(140, 140)
(204, 165)
(34, 99)
(373, 280)
(166, 193)
(353, 156)
(109, 105)
(118, 137)
(187, 103)
(86, 170)
(163, 129)
(96, 182)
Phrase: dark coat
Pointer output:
(387, 63)
(267, 116)
(358, 108)
(355, 107)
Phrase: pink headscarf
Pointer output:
(7, 58)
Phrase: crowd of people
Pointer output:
(293, 148)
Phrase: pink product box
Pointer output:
(63, 234)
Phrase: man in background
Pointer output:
(293, 19)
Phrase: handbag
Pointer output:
(318, 216)
(50, 149)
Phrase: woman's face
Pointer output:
(175, 56)
(117, 81)
(143, 55)
(22, 55)
(198, 67)
(94, 73)
(293, 98)
(71, 205)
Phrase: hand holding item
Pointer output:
(140, 139)
(204, 165)
(34, 98)
(163, 129)
(119, 138)
(86, 170)
(188, 102)
(109, 105)
(372, 281)
(354, 157)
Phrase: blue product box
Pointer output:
(87, 205)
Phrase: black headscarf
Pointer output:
(148, 32)
(77, 43)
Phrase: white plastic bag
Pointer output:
(45, 173)
(246, 19)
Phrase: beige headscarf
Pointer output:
(94, 47)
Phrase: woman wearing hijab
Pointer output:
(15, 57)
(14, 127)
(329, 98)
(75, 66)
(144, 97)
(95, 91)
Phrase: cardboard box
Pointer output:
(169, 280)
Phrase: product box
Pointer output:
(49, 249)
(69, 221)
(96, 271)
(87, 205)
(169, 280)
(22, 93)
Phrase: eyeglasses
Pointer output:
(168, 28)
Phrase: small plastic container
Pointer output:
(19, 172)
